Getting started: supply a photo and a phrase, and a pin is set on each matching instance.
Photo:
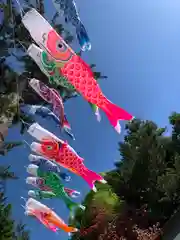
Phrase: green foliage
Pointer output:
(8, 107)
(20, 232)
(148, 170)
(6, 224)
(100, 207)
(8, 229)
(174, 120)
(6, 174)
(8, 146)
(145, 183)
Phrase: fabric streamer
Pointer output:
(40, 133)
(46, 216)
(40, 184)
(78, 73)
(44, 112)
(48, 67)
(69, 10)
(56, 149)
(51, 96)
(66, 69)
(39, 110)
(48, 166)
(52, 181)
(38, 194)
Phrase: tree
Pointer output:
(174, 120)
(8, 146)
(144, 170)
(20, 232)
(8, 228)
(148, 172)
(146, 178)
(108, 217)
(6, 224)
(6, 174)
(101, 207)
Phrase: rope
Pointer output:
(23, 199)
(27, 144)
(22, 45)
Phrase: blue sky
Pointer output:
(134, 43)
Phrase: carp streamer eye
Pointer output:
(60, 46)
(49, 147)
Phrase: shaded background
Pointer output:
(134, 43)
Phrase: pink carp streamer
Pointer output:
(71, 66)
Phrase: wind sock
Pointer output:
(40, 184)
(77, 72)
(38, 194)
(69, 10)
(52, 181)
(46, 216)
(48, 67)
(39, 110)
(51, 96)
(54, 148)
(48, 166)
(44, 112)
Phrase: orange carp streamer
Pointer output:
(46, 216)
(53, 148)
(65, 156)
